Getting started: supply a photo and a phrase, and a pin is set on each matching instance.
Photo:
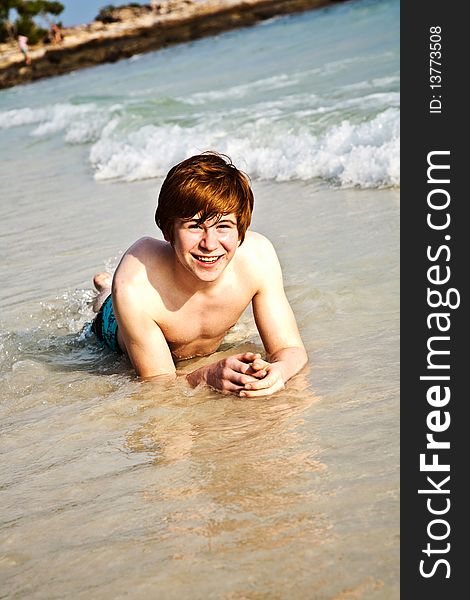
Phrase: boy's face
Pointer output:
(205, 249)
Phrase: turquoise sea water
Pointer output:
(115, 488)
(297, 98)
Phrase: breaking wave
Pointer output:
(347, 140)
(351, 154)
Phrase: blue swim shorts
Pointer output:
(105, 325)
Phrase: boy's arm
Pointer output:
(144, 341)
(277, 328)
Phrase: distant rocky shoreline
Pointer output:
(136, 30)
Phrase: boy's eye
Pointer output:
(194, 226)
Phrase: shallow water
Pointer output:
(116, 488)
(128, 487)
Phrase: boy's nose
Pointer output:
(209, 239)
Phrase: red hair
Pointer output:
(208, 185)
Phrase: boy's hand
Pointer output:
(258, 367)
(269, 379)
(229, 375)
(246, 375)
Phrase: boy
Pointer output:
(178, 298)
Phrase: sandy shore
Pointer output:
(148, 29)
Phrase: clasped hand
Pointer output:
(246, 375)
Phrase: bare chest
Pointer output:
(198, 326)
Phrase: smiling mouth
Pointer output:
(207, 260)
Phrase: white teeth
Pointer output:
(207, 259)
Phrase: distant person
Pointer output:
(55, 34)
(176, 299)
(23, 44)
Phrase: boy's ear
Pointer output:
(167, 237)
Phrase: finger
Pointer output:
(241, 367)
(241, 379)
(232, 373)
(259, 364)
(234, 385)
(232, 388)
(264, 392)
(258, 374)
(246, 369)
(247, 357)
(259, 368)
(268, 381)
(229, 388)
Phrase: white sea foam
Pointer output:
(55, 115)
(80, 123)
(61, 116)
(365, 154)
(22, 116)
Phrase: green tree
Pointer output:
(25, 24)
(6, 27)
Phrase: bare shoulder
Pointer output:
(145, 249)
(258, 261)
(258, 251)
(142, 258)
